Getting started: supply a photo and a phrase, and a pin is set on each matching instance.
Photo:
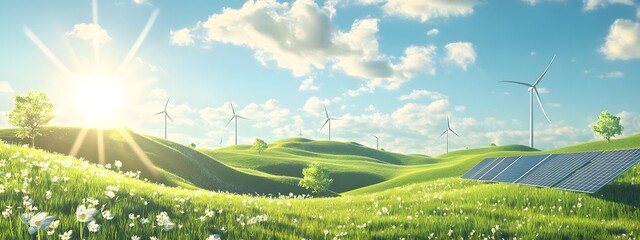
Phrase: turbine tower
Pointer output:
(377, 141)
(327, 121)
(447, 132)
(235, 116)
(166, 115)
(533, 90)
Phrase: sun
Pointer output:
(98, 98)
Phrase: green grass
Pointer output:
(444, 208)
(177, 164)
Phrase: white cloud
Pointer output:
(301, 37)
(614, 74)
(623, 41)
(5, 87)
(433, 32)
(181, 37)
(158, 93)
(268, 114)
(638, 13)
(139, 2)
(630, 121)
(593, 4)
(313, 106)
(459, 108)
(543, 90)
(533, 53)
(426, 10)
(90, 32)
(370, 108)
(461, 53)
(417, 94)
(359, 91)
(536, 2)
(307, 85)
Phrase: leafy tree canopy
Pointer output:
(30, 113)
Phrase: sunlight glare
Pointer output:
(97, 97)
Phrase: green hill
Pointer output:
(34, 181)
(174, 164)
(352, 165)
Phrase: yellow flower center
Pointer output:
(37, 222)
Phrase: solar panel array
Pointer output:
(581, 172)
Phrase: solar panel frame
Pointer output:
(486, 168)
(498, 168)
(601, 170)
(477, 167)
(519, 168)
(556, 168)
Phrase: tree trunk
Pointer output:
(33, 142)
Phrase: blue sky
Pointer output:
(391, 68)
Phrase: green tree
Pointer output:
(30, 113)
(193, 145)
(260, 145)
(607, 125)
(316, 178)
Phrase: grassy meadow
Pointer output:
(375, 194)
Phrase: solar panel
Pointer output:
(556, 168)
(518, 168)
(485, 169)
(477, 167)
(601, 170)
(498, 168)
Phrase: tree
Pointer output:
(193, 145)
(260, 145)
(492, 145)
(607, 125)
(316, 178)
(31, 112)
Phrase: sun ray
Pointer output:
(72, 53)
(45, 50)
(78, 142)
(138, 42)
(96, 44)
(139, 152)
(100, 141)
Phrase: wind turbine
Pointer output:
(377, 141)
(235, 116)
(300, 134)
(533, 90)
(447, 132)
(327, 121)
(166, 115)
(220, 141)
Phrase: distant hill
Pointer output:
(176, 164)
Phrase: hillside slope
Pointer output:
(172, 163)
(351, 165)
(447, 208)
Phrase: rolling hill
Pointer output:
(34, 182)
(172, 163)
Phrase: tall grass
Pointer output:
(444, 208)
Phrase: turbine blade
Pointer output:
(445, 131)
(169, 117)
(448, 124)
(166, 104)
(453, 132)
(232, 109)
(540, 102)
(374, 136)
(158, 113)
(325, 123)
(242, 117)
(325, 110)
(545, 71)
(230, 121)
(334, 118)
(521, 83)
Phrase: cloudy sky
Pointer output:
(393, 68)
